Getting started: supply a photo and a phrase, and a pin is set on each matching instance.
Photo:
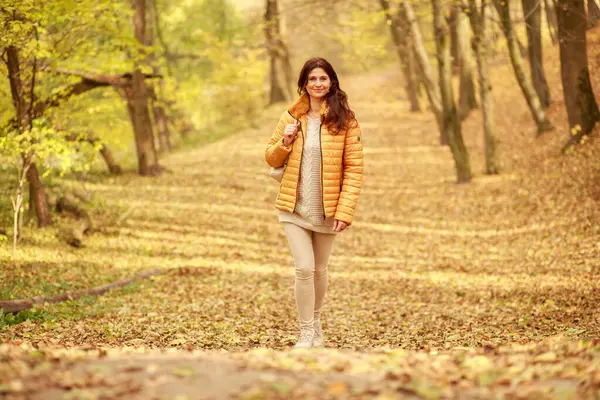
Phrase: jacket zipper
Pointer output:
(299, 168)
(322, 194)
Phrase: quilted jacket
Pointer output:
(341, 161)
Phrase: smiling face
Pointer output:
(318, 83)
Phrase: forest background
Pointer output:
(135, 203)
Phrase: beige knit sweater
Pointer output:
(309, 205)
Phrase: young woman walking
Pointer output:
(320, 139)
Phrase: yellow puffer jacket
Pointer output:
(342, 163)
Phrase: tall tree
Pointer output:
(533, 21)
(582, 108)
(533, 101)
(158, 107)
(551, 20)
(593, 13)
(479, 18)
(452, 123)
(138, 97)
(467, 99)
(279, 62)
(425, 70)
(401, 38)
(24, 109)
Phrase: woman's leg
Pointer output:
(301, 245)
(322, 245)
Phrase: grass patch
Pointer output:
(27, 315)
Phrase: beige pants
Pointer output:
(311, 252)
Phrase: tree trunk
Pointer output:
(551, 20)
(138, 103)
(164, 135)
(593, 13)
(37, 191)
(112, 165)
(531, 96)
(142, 127)
(272, 33)
(451, 120)
(17, 90)
(453, 25)
(479, 24)
(413, 82)
(161, 120)
(17, 204)
(160, 116)
(533, 22)
(467, 99)
(425, 70)
(400, 36)
(582, 108)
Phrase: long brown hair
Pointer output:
(339, 117)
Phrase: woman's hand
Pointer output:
(290, 133)
(339, 226)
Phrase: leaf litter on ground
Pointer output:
(486, 290)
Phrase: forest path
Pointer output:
(428, 264)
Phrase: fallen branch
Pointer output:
(14, 306)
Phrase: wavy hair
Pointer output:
(340, 116)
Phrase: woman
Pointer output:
(321, 140)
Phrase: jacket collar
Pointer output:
(301, 106)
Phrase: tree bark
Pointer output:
(164, 134)
(425, 70)
(112, 165)
(479, 24)
(400, 37)
(582, 108)
(142, 126)
(17, 204)
(138, 103)
(451, 120)
(161, 121)
(593, 13)
(533, 21)
(533, 101)
(278, 55)
(17, 90)
(551, 20)
(454, 49)
(37, 191)
(467, 99)
(160, 116)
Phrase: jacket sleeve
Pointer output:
(352, 175)
(276, 152)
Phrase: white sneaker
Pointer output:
(319, 338)
(306, 338)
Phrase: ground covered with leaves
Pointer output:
(438, 290)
